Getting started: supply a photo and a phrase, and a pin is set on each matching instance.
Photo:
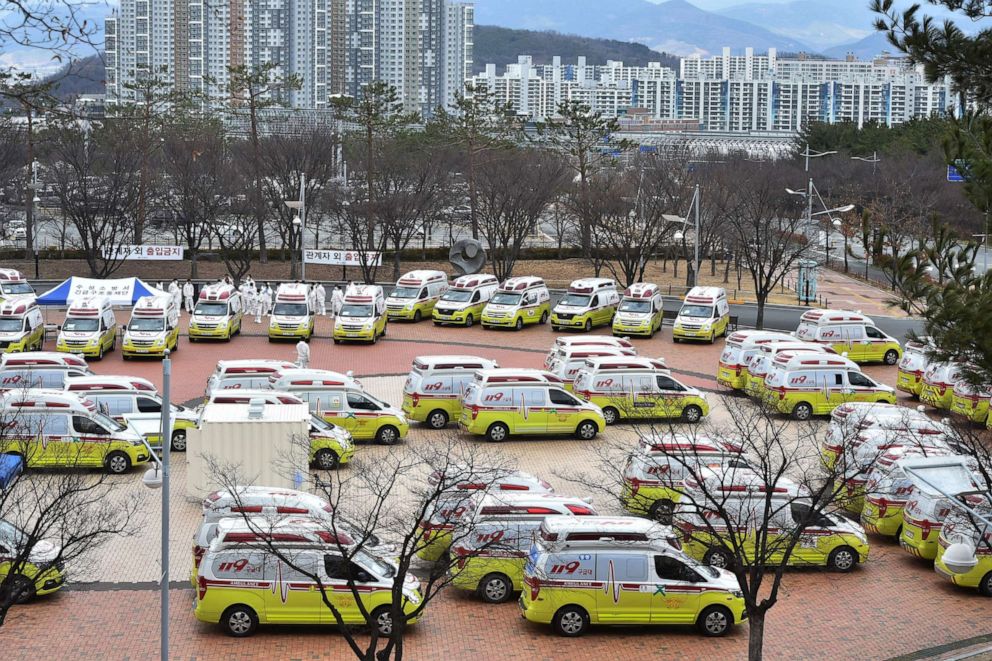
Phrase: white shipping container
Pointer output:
(271, 449)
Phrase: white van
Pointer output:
(912, 366)
(564, 344)
(218, 313)
(737, 351)
(566, 365)
(851, 418)
(416, 294)
(465, 300)
(13, 283)
(434, 388)
(250, 373)
(153, 328)
(704, 315)
(362, 315)
(518, 302)
(849, 333)
(292, 317)
(641, 310)
(40, 369)
(588, 302)
(22, 327)
(758, 364)
(89, 329)
(121, 404)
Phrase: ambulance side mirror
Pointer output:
(363, 577)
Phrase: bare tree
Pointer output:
(237, 235)
(515, 187)
(385, 499)
(95, 177)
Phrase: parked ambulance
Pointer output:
(416, 294)
(40, 369)
(250, 373)
(461, 483)
(912, 366)
(888, 487)
(340, 400)
(434, 388)
(924, 513)
(563, 345)
(218, 313)
(738, 349)
(22, 327)
(588, 302)
(13, 283)
(592, 570)
(518, 302)
(654, 473)
(42, 569)
(971, 402)
(803, 385)
(567, 364)
(851, 418)
(491, 540)
(89, 329)
(938, 384)
(362, 316)
(641, 310)
(851, 334)
(961, 527)
(760, 362)
(53, 428)
(153, 328)
(627, 387)
(292, 317)
(108, 382)
(465, 300)
(704, 315)
(503, 402)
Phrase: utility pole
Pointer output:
(695, 242)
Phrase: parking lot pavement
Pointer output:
(820, 615)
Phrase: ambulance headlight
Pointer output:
(737, 593)
(960, 558)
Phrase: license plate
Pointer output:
(908, 533)
(141, 350)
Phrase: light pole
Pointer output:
(814, 154)
(155, 478)
(693, 206)
(300, 221)
(808, 194)
(874, 160)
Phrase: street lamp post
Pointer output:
(814, 154)
(874, 160)
(678, 236)
(300, 222)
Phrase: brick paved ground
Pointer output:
(894, 605)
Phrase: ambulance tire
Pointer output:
(325, 459)
(571, 621)
(416, 316)
(469, 321)
(544, 317)
(611, 415)
(985, 587)
(717, 557)
(802, 411)
(239, 621)
(437, 419)
(99, 356)
(715, 621)
(382, 620)
(519, 324)
(117, 463)
(387, 435)
(588, 326)
(495, 588)
(587, 430)
(336, 341)
(179, 440)
(891, 357)
(375, 338)
(497, 432)
(692, 414)
(842, 559)
(662, 511)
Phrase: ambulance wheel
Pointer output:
(715, 621)
(124, 356)
(586, 430)
(891, 357)
(382, 620)
(676, 340)
(375, 338)
(99, 356)
(416, 316)
(718, 557)
(544, 317)
(662, 511)
(387, 435)
(497, 432)
(802, 411)
(519, 324)
(179, 440)
(611, 415)
(239, 621)
(495, 588)
(588, 326)
(21, 588)
(117, 462)
(325, 459)
(842, 559)
(985, 587)
(571, 621)
(469, 321)
(437, 419)
(336, 341)
(692, 413)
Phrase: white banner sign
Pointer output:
(163, 253)
(342, 257)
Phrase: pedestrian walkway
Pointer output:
(845, 292)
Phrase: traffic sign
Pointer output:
(953, 175)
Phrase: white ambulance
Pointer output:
(89, 329)
(292, 317)
(362, 316)
(705, 315)
(218, 313)
(22, 327)
(13, 283)
(416, 294)
(518, 302)
(588, 302)
(153, 328)
(641, 310)
(465, 300)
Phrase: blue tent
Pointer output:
(120, 291)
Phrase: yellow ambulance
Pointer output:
(971, 402)
(588, 302)
(760, 362)
(925, 511)
(434, 388)
(912, 366)
(292, 316)
(42, 570)
(849, 333)
(964, 529)
(938, 384)
(14, 284)
(504, 402)
(563, 345)
(888, 488)
(641, 310)
(518, 302)
(218, 313)
(362, 316)
(567, 364)
(629, 388)
(22, 327)
(416, 294)
(851, 418)
(737, 351)
(582, 571)
(153, 328)
(465, 300)
(89, 329)
(704, 315)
